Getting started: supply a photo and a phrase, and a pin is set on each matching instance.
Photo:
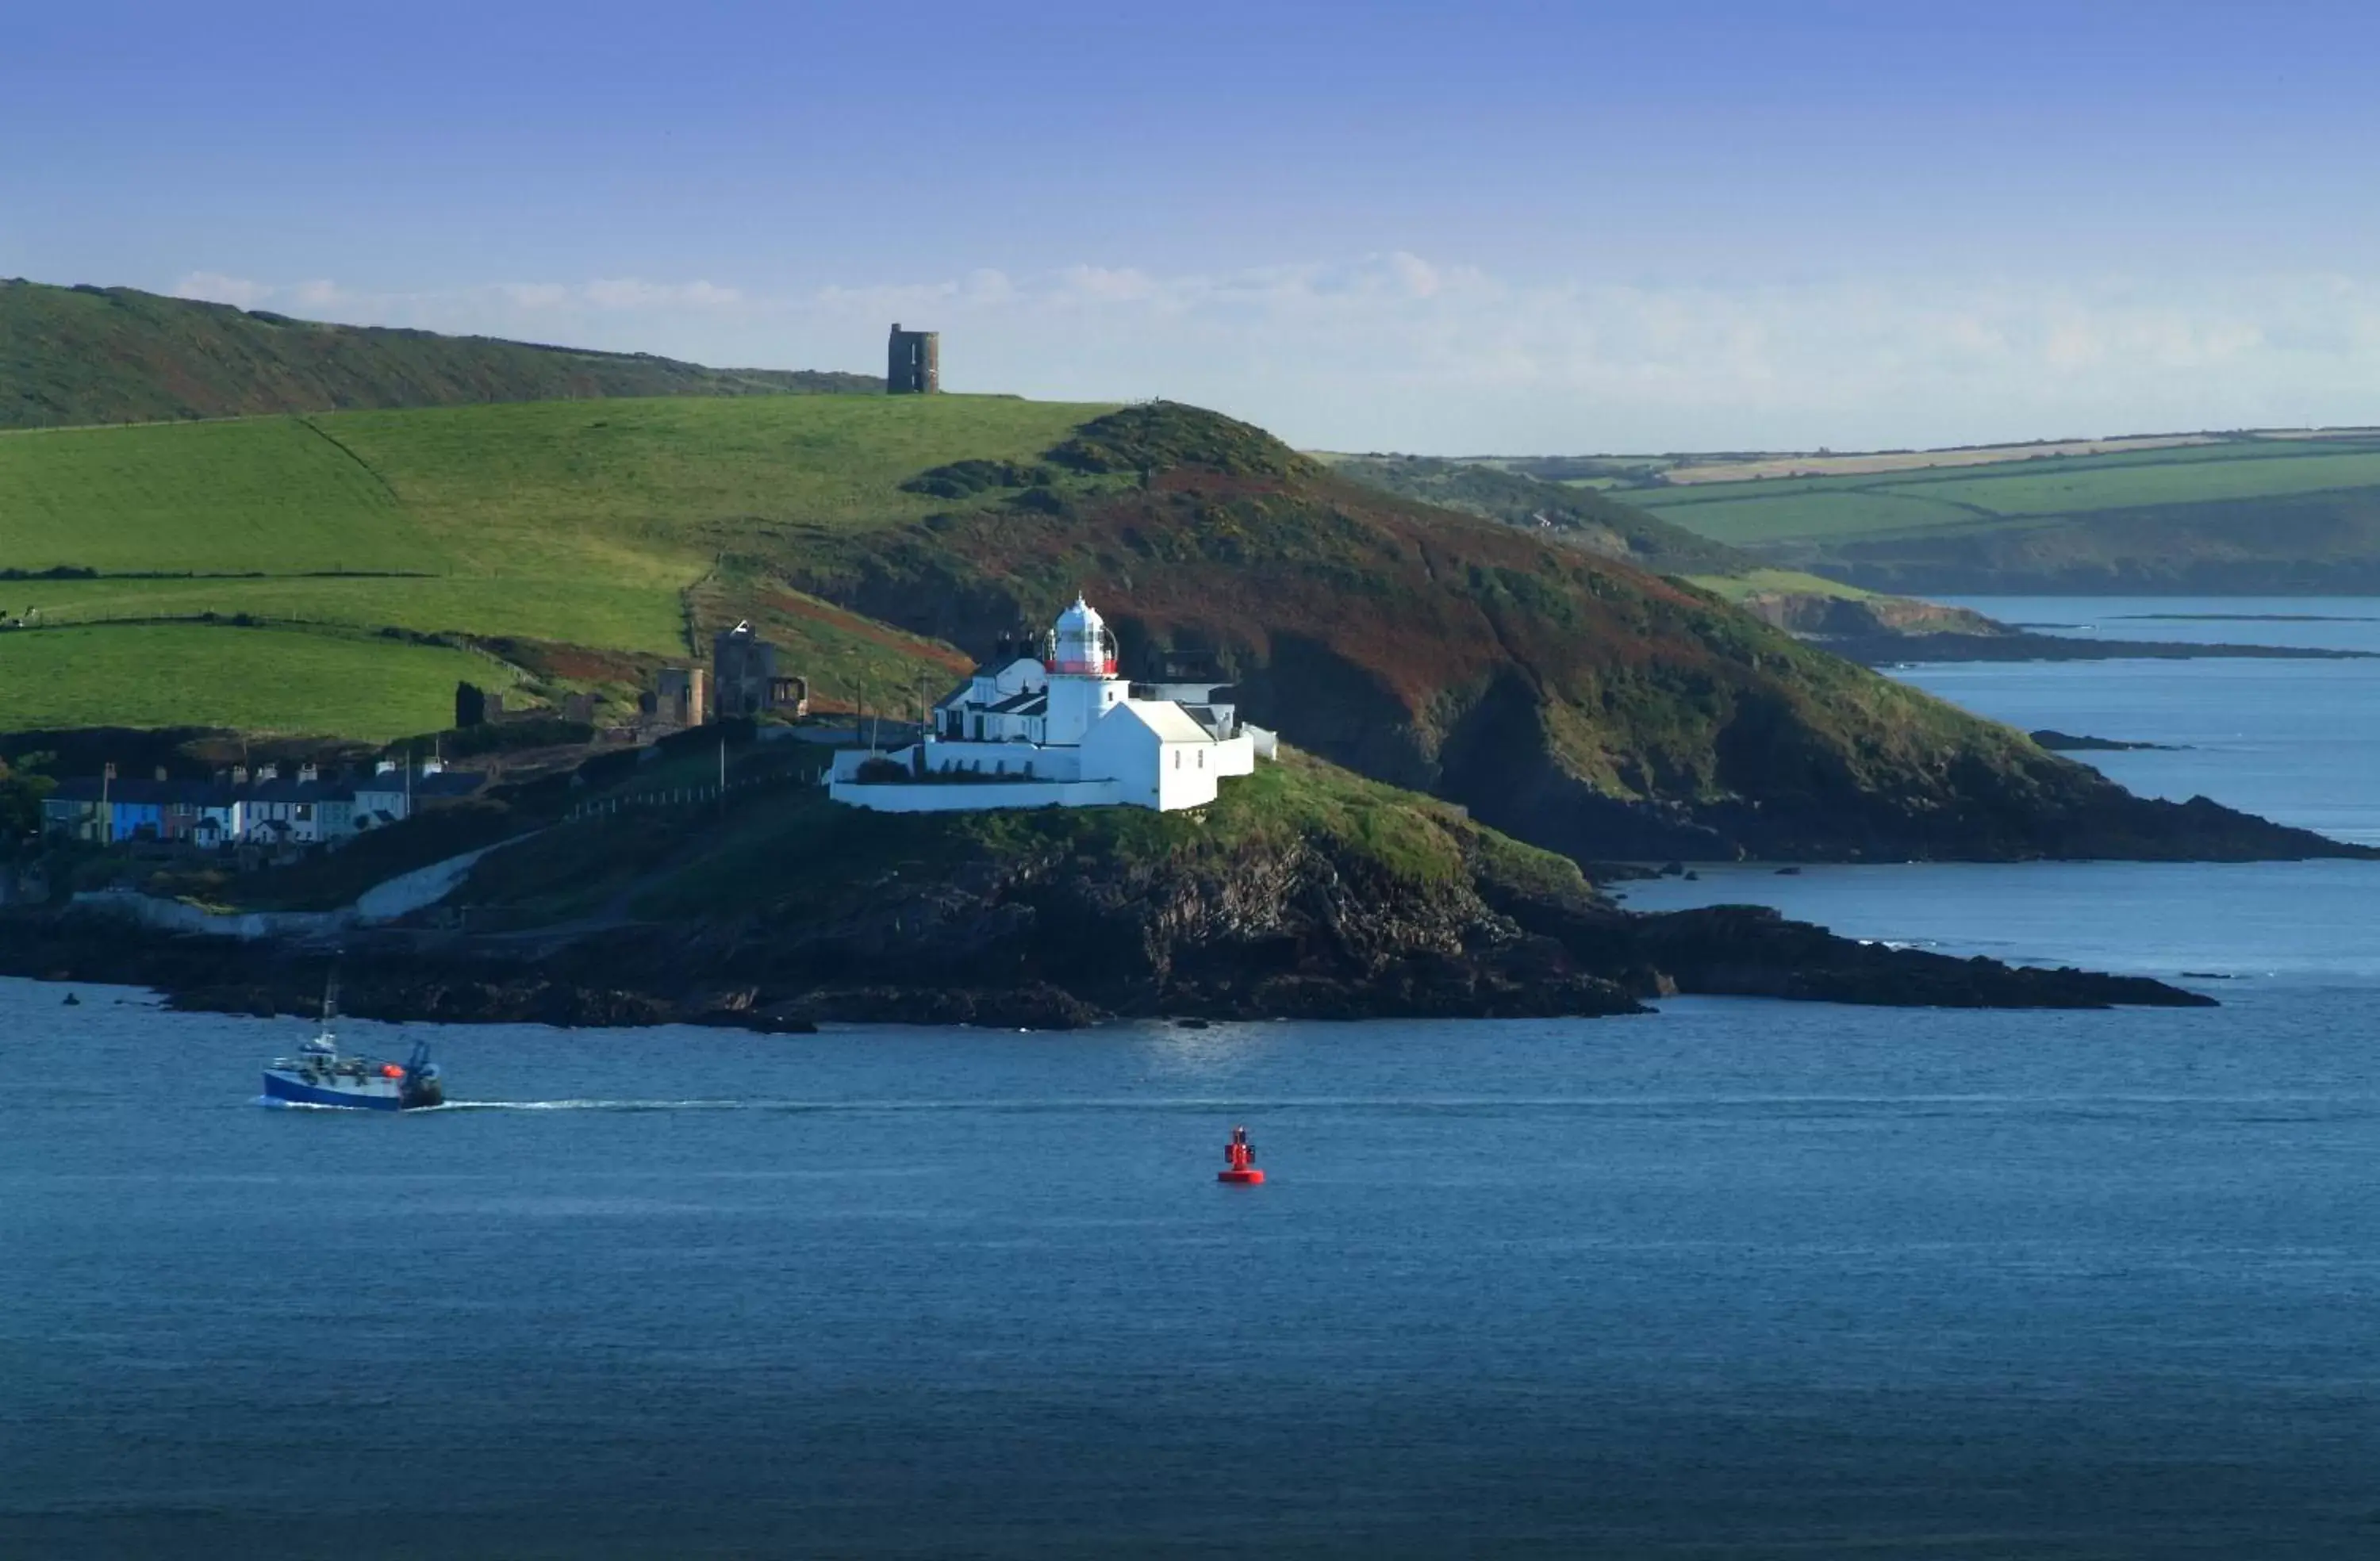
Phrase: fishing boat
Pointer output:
(323, 1075)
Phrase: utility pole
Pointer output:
(723, 771)
(106, 812)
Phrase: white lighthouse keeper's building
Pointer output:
(1058, 730)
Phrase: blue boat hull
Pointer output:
(276, 1087)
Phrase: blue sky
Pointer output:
(1484, 227)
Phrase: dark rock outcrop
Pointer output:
(1041, 943)
(2070, 743)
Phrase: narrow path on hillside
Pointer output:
(385, 485)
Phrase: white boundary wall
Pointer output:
(969, 796)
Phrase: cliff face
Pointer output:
(1572, 699)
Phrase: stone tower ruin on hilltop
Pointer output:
(912, 365)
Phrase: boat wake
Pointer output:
(2322, 1107)
(626, 1105)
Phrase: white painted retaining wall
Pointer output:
(967, 796)
(384, 901)
(408, 892)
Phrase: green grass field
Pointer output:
(598, 524)
(581, 613)
(266, 494)
(263, 680)
(636, 492)
(1850, 512)
(1840, 508)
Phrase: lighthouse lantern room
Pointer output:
(1082, 674)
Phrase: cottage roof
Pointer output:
(1030, 702)
(91, 788)
(297, 791)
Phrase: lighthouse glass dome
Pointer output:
(1080, 645)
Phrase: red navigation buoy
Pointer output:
(1240, 1161)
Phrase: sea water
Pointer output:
(1740, 1279)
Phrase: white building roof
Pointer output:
(1169, 720)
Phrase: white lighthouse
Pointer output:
(1062, 729)
(1082, 674)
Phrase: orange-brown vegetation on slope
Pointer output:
(1576, 701)
(1370, 628)
(1424, 599)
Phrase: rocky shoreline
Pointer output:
(1899, 650)
(1001, 961)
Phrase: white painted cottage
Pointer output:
(1059, 730)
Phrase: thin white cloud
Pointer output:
(214, 287)
(1400, 350)
(635, 292)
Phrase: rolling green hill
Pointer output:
(1578, 516)
(611, 528)
(1572, 699)
(2240, 514)
(113, 355)
(1587, 519)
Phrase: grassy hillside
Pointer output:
(610, 528)
(2240, 513)
(1574, 699)
(180, 674)
(115, 355)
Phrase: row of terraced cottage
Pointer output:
(243, 808)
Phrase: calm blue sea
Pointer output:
(1740, 1280)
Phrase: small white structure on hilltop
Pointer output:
(1062, 729)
